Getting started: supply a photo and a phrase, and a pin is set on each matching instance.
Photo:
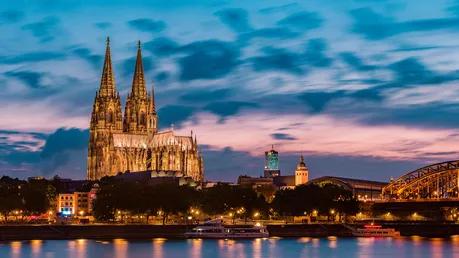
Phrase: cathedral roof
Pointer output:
(158, 140)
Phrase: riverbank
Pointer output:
(56, 232)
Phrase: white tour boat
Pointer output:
(215, 229)
(375, 231)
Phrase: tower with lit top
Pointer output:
(271, 163)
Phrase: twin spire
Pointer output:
(107, 84)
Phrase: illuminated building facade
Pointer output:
(271, 163)
(301, 173)
(133, 143)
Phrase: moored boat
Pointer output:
(216, 229)
(375, 231)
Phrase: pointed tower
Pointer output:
(106, 119)
(140, 114)
(301, 172)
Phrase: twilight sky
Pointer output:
(366, 88)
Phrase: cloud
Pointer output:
(45, 29)
(85, 53)
(11, 16)
(103, 25)
(236, 18)
(32, 57)
(281, 8)
(412, 71)
(355, 62)
(205, 95)
(375, 26)
(317, 101)
(283, 136)
(228, 108)
(277, 59)
(282, 33)
(174, 114)
(326, 135)
(302, 21)
(147, 25)
(29, 78)
(162, 76)
(59, 147)
(315, 54)
(162, 46)
(211, 59)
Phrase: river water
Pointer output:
(271, 247)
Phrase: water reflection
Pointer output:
(332, 242)
(158, 247)
(437, 247)
(15, 249)
(196, 246)
(256, 248)
(36, 247)
(121, 248)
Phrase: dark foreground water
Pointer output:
(272, 247)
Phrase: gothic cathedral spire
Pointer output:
(140, 114)
(107, 82)
(139, 88)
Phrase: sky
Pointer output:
(363, 88)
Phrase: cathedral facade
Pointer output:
(131, 142)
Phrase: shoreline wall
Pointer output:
(63, 232)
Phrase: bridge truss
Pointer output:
(437, 181)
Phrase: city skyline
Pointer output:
(368, 91)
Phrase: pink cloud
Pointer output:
(322, 135)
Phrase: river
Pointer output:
(272, 247)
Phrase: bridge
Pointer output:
(434, 182)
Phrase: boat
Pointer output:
(375, 231)
(216, 229)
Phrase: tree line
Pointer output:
(117, 198)
(25, 198)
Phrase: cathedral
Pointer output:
(132, 142)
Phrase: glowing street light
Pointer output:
(231, 214)
(81, 213)
(256, 214)
(189, 217)
(332, 211)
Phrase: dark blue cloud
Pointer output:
(228, 108)
(29, 78)
(302, 21)
(205, 95)
(65, 139)
(315, 54)
(236, 18)
(276, 59)
(282, 8)
(33, 57)
(317, 101)
(283, 136)
(162, 76)
(147, 25)
(162, 46)
(375, 26)
(45, 29)
(103, 25)
(209, 59)
(268, 33)
(95, 60)
(174, 114)
(11, 16)
(356, 62)
(411, 71)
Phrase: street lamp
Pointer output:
(256, 214)
(81, 213)
(332, 211)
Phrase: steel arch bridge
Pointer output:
(437, 181)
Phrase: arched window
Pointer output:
(142, 118)
(110, 116)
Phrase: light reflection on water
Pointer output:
(257, 248)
